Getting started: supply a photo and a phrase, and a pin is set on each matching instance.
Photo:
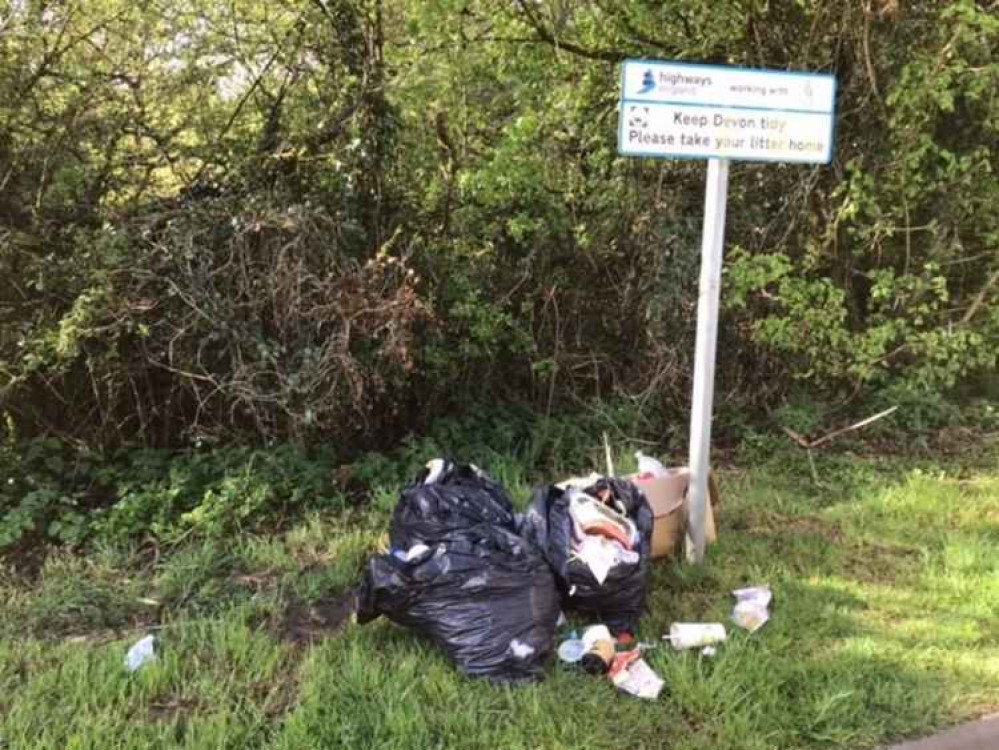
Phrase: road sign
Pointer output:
(680, 110)
(708, 111)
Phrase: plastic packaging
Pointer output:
(751, 607)
(617, 599)
(683, 635)
(141, 653)
(477, 590)
(571, 651)
(649, 467)
(633, 675)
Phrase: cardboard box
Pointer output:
(668, 498)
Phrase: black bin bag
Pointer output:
(458, 498)
(619, 601)
(459, 575)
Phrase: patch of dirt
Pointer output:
(304, 623)
(770, 523)
(170, 709)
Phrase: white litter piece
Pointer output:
(520, 649)
(571, 651)
(141, 653)
(601, 554)
(751, 610)
(413, 552)
(709, 651)
(636, 677)
(649, 465)
(683, 635)
(435, 468)
(580, 482)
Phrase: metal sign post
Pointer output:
(709, 291)
(671, 110)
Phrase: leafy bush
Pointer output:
(404, 210)
(53, 493)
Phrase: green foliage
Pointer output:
(54, 493)
(44, 492)
(341, 220)
(897, 291)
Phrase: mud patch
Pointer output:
(172, 709)
(767, 523)
(305, 622)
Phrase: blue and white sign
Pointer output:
(671, 109)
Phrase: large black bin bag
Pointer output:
(460, 575)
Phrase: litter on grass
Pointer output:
(751, 609)
(141, 653)
(630, 673)
(684, 635)
(571, 651)
(599, 649)
(596, 654)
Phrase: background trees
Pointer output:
(337, 218)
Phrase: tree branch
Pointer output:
(546, 35)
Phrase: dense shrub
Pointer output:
(336, 220)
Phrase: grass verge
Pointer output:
(886, 588)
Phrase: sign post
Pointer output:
(679, 110)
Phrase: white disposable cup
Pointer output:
(595, 633)
(695, 634)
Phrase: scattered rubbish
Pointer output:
(476, 589)
(412, 553)
(587, 481)
(595, 518)
(667, 496)
(520, 649)
(435, 468)
(599, 649)
(751, 607)
(709, 651)
(684, 635)
(646, 646)
(625, 638)
(597, 538)
(571, 651)
(561, 620)
(648, 467)
(630, 673)
(141, 653)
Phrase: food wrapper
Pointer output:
(752, 607)
(630, 672)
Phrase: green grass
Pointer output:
(884, 626)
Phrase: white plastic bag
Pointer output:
(649, 465)
(141, 653)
